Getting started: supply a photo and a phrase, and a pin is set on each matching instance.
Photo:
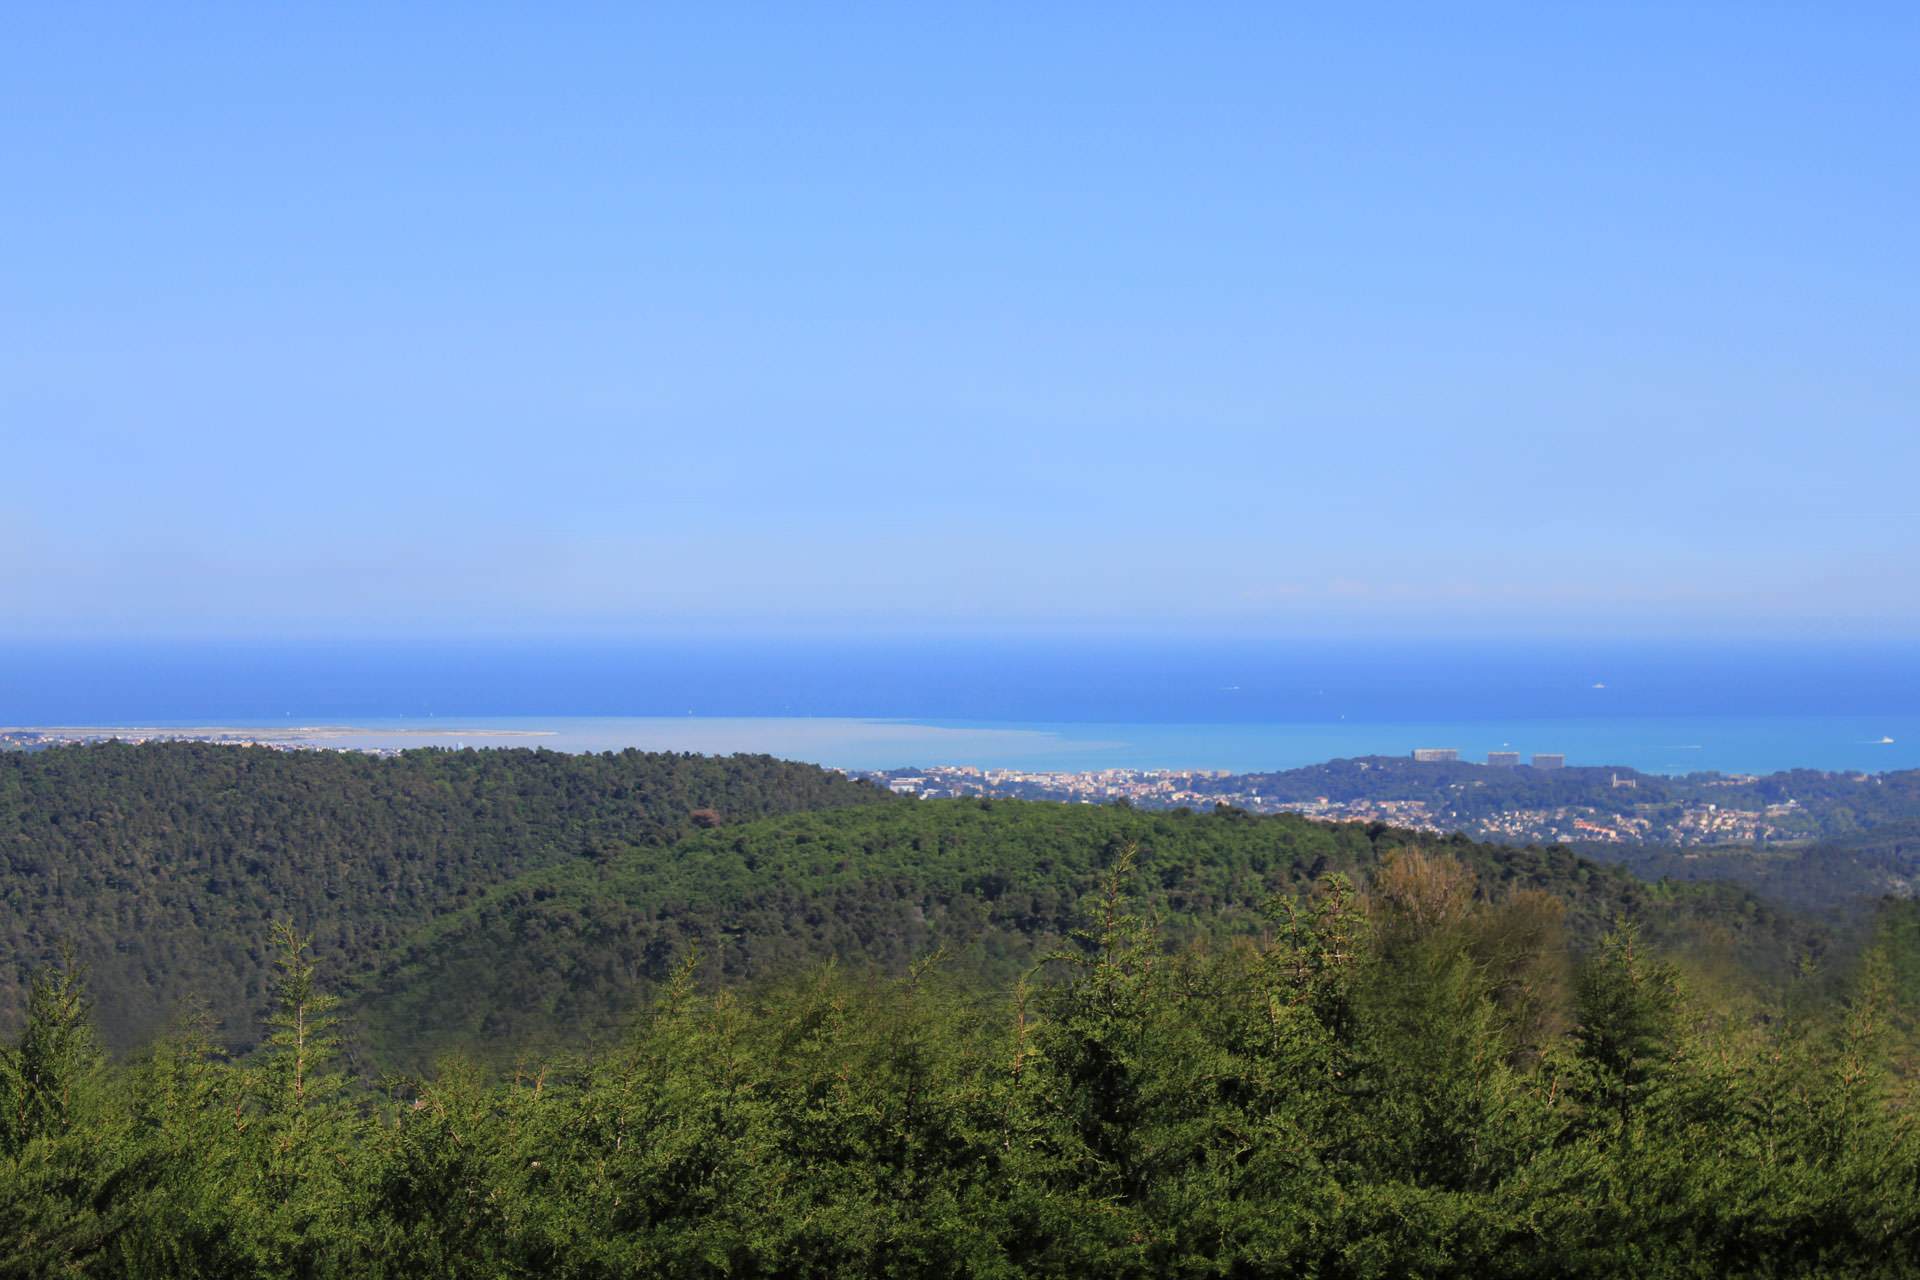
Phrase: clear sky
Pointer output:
(324, 320)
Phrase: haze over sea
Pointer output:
(1034, 703)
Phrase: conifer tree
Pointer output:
(61, 1140)
(45, 1076)
(1628, 1008)
(300, 1135)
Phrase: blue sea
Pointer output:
(1032, 704)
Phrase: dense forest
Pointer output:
(521, 1014)
(570, 949)
(162, 866)
(1418, 1076)
(1839, 877)
(513, 902)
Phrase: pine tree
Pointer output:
(1628, 1009)
(61, 1141)
(301, 1135)
(58, 1058)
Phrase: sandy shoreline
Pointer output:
(261, 733)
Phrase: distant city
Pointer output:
(1544, 801)
(40, 739)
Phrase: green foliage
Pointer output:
(1628, 1008)
(162, 866)
(930, 1039)
(1843, 874)
(1347, 1093)
(45, 1078)
(571, 950)
(492, 902)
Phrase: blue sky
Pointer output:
(1223, 319)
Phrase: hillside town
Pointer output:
(1689, 823)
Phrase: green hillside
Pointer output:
(164, 865)
(1159, 1043)
(569, 950)
(520, 900)
(1419, 1081)
(1844, 876)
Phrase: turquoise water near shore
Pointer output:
(1738, 744)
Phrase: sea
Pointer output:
(1234, 704)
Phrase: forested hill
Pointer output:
(513, 900)
(1424, 1081)
(568, 951)
(163, 865)
(1846, 876)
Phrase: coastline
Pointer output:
(1661, 745)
